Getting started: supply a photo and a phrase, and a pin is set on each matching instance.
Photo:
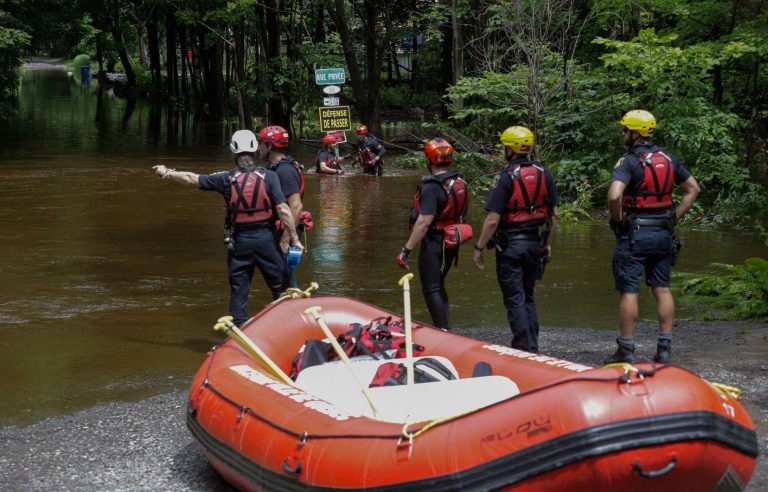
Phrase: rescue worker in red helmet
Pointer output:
(442, 199)
(273, 143)
(328, 160)
(369, 151)
(522, 211)
(254, 201)
(643, 217)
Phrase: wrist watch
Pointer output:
(478, 248)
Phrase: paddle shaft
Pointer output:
(405, 282)
(315, 312)
(252, 349)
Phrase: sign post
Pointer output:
(334, 119)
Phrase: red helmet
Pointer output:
(438, 152)
(276, 135)
(361, 130)
(329, 140)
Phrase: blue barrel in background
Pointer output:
(85, 75)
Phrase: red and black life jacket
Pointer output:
(333, 163)
(655, 191)
(528, 200)
(366, 156)
(299, 169)
(457, 199)
(249, 202)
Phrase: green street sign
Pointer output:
(329, 76)
(335, 118)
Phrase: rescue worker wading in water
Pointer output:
(369, 152)
(291, 174)
(523, 198)
(442, 200)
(254, 201)
(643, 217)
(327, 162)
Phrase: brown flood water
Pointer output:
(110, 278)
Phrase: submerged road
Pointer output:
(145, 445)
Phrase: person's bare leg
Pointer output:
(665, 308)
(628, 314)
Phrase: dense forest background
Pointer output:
(568, 69)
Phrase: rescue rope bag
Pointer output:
(249, 202)
(528, 200)
(655, 191)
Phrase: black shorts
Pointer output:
(650, 254)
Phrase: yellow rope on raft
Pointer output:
(727, 390)
(292, 293)
(434, 423)
(623, 365)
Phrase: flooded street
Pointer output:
(111, 279)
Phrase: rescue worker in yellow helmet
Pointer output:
(522, 210)
(643, 216)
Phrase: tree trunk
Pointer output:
(172, 74)
(374, 49)
(244, 111)
(122, 50)
(140, 30)
(276, 110)
(154, 52)
(458, 52)
(446, 72)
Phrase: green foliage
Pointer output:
(81, 60)
(13, 46)
(740, 292)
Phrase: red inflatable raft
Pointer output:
(537, 423)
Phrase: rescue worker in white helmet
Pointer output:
(254, 201)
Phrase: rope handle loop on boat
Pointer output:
(294, 293)
(295, 470)
(732, 391)
(655, 473)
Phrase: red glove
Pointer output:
(403, 257)
(341, 172)
(306, 218)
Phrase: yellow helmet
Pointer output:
(641, 121)
(519, 139)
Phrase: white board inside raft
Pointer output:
(333, 383)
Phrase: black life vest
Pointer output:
(299, 169)
(333, 163)
(528, 200)
(249, 202)
(457, 199)
(655, 191)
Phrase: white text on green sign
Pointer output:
(329, 76)
(335, 118)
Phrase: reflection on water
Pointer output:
(110, 278)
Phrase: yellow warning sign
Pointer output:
(335, 118)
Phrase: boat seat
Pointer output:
(333, 383)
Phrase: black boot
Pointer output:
(663, 351)
(625, 353)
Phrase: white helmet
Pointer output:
(243, 141)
